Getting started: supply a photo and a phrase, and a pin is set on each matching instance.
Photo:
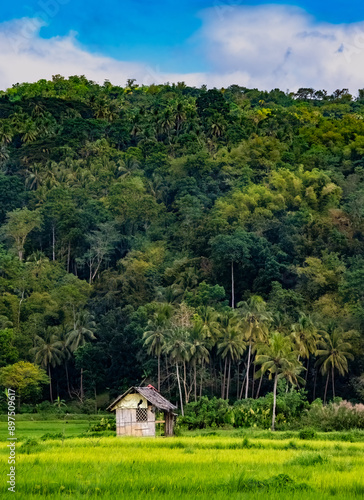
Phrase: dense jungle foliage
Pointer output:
(209, 242)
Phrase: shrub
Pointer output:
(258, 412)
(205, 413)
(105, 424)
(252, 413)
(45, 407)
(307, 433)
(335, 416)
(50, 435)
(29, 446)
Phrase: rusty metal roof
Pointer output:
(151, 395)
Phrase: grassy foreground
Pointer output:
(239, 465)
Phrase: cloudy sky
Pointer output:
(318, 44)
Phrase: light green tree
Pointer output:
(24, 377)
(157, 329)
(255, 318)
(333, 354)
(280, 360)
(19, 224)
(48, 353)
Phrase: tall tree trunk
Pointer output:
(179, 389)
(232, 286)
(159, 372)
(68, 380)
(308, 365)
(95, 398)
(223, 385)
(314, 385)
(20, 303)
(327, 383)
(68, 256)
(167, 372)
(247, 370)
(242, 387)
(333, 381)
(201, 377)
(195, 379)
(253, 379)
(259, 386)
(81, 385)
(185, 381)
(53, 243)
(237, 382)
(50, 383)
(228, 381)
(274, 401)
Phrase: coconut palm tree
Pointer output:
(255, 318)
(48, 353)
(29, 132)
(177, 347)
(35, 176)
(66, 353)
(333, 355)
(231, 348)
(6, 134)
(198, 348)
(304, 335)
(280, 360)
(154, 336)
(79, 334)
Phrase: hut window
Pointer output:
(142, 415)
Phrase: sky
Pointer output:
(267, 45)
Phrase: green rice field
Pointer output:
(208, 465)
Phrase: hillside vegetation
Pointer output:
(207, 241)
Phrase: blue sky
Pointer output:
(159, 30)
(177, 38)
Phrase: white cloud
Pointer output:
(281, 46)
(265, 46)
(26, 57)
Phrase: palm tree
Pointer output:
(231, 348)
(209, 318)
(255, 318)
(48, 353)
(6, 134)
(178, 349)
(80, 333)
(154, 336)
(280, 360)
(198, 348)
(333, 355)
(35, 176)
(29, 132)
(179, 116)
(304, 335)
(66, 352)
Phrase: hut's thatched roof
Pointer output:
(151, 395)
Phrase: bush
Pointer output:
(45, 407)
(258, 412)
(105, 424)
(252, 413)
(205, 413)
(307, 433)
(335, 416)
(29, 446)
(50, 435)
(27, 408)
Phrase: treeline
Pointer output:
(207, 241)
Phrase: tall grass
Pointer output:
(210, 467)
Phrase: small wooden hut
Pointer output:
(136, 409)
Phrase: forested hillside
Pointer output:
(183, 237)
